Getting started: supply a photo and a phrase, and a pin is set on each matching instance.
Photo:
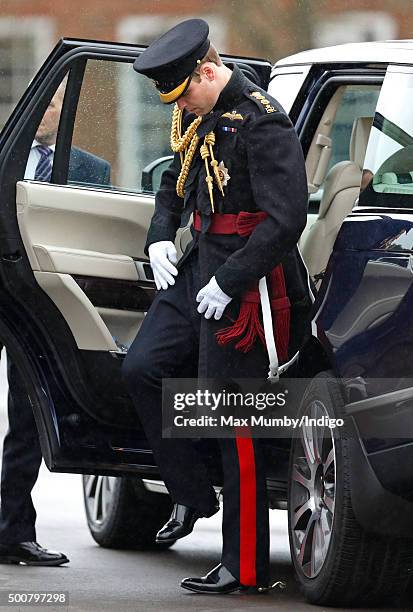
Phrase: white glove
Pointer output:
(213, 300)
(162, 256)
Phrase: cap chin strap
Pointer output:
(176, 93)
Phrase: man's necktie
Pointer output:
(44, 167)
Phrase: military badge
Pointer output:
(223, 174)
(266, 104)
(233, 115)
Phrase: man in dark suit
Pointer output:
(21, 448)
(84, 167)
(87, 169)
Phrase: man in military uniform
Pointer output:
(238, 166)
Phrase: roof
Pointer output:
(389, 51)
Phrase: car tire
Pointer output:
(336, 561)
(121, 513)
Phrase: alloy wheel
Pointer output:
(313, 492)
(98, 492)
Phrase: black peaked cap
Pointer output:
(170, 59)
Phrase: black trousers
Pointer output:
(20, 465)
(167, 346)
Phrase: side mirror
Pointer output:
(152, 173)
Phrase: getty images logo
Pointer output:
(225, 399)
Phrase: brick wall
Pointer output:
(271, 27)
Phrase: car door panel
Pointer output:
(74, 232)
(78, 218)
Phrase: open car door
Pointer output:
(75, 282)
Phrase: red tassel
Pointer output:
(278, 289)
(248, 323)
(226, 335)
(254, 329)
(282, 333)
(280, 306)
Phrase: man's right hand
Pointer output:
(162, 256)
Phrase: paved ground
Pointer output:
(124, 581)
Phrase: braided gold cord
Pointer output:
(183, 175)
(210, 140)
(186, 146)
(205, 153)
(178, 142)
(179, 127)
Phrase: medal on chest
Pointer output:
(223, 174)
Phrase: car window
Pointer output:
(332, 138)
(388, 167)
(356, 101)
(334, 164)
(119, 120)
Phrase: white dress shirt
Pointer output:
(33, 160)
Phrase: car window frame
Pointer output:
(60, 169)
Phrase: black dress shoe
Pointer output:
(180, 524)
(219, 581)
(30, 553)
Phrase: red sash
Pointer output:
(248, 325)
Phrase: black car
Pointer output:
(75, 286)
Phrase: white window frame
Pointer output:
(355, 26)
(40, 29)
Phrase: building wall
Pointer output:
(265, 28)
(277, 26)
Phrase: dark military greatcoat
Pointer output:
(263, 170)
(258, 147)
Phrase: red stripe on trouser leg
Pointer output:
(248, 512)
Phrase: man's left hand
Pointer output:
(212, 300)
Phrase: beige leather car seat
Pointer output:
(341, 188)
